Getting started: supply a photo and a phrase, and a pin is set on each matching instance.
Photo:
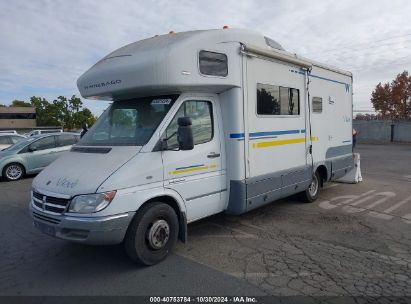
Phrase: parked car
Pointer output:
(6, 140)
(8, 132)
(43, 131)
(34, 154)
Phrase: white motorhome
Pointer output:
(201, 122)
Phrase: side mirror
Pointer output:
(185, 134)
(32, 149)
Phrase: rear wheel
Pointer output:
(152, 234)
(311, 194)
(13, 172)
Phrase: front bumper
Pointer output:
(88, 230)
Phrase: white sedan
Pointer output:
(7, 140)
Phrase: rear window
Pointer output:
(213, 64)
(16, 139)
(4, 140)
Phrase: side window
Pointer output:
(66, 140)
(276, 100)
(213, 64)
(16, 139)
(4, 140)
(317, 105)
(201, 114)
(44, 143)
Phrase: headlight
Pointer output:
(91, 202)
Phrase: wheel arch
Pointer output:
(178, 206)
(323, 172)
(13, 162)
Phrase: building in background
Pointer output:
(17, 118)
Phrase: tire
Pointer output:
(13, 172)
(152, 234)
(311, 194)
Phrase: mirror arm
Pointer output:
(171, 136)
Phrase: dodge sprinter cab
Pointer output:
(201, 122)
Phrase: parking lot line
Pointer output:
(397, 205)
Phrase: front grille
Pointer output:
(46, 218)
(57, 201)
(52, 204)
(37, 195)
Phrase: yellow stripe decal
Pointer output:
(272, 143)
(266, 144)
(192, 169)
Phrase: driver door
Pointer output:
(41, 153)
(196, 174)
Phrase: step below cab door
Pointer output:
(196, 174)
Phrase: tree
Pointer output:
(84, 116)
(20, 103)
(67, 113)
(401, 94)
(393, 100)
(46, 113)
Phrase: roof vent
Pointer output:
(274, 44)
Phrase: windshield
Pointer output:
(129, 122)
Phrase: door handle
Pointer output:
(213, 155)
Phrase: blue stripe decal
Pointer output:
(257, 134)
(298, 72)
(346, 141)
(194, 166)
(327, 79)
(267, 133)
(237, 135)
(347, 86)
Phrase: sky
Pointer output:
(45, 45)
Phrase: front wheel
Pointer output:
(311, 194)
(152, 234)
(13, 172)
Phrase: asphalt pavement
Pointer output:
(354, 240)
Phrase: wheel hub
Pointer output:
(158, 234)
(13, 172)
(313, 187)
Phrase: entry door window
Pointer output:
(201, 114)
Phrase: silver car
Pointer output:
(34, 154)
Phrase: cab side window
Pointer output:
(43, 144)
(201, 114)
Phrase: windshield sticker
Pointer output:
(161, 101)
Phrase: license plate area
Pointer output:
(47, 229)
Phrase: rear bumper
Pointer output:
(88, 230)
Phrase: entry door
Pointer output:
(196, 174)
(276, 120)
